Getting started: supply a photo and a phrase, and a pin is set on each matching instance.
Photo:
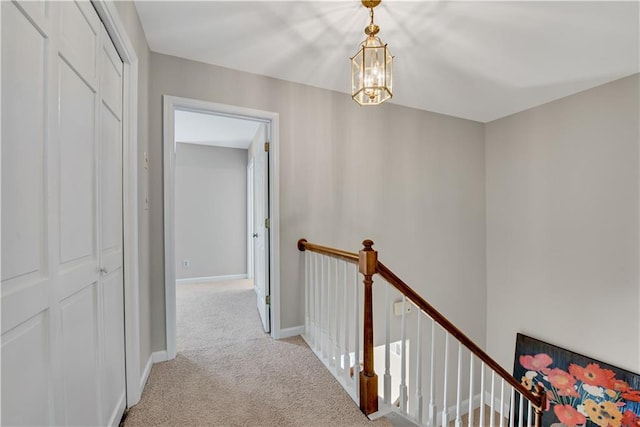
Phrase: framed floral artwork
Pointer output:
(580, 391)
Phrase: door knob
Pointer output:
(255, 234)
(103, 270)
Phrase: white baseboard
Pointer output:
(464, 408)
(155, 357)
(496, 402)
(451, 410)
(289, 332)
(211, 279)
(145, 373)
(160, 356)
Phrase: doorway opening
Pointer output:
(248, 160)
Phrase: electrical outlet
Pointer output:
(185, 263)
(397, 308)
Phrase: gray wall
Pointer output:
(414, 183)
(211, 211)
(562, 225)
(129, 17)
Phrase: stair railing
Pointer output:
(342, 338)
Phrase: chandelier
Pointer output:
(372, 66)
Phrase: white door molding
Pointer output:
(170, 105)
(116, 30)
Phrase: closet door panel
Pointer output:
(79, 326)
(111, 77)
(23, 144)
(25, 374)
(114, 395)
(77, 167)
(111, 185)
(79, 27)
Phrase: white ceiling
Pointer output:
(209, 129)
(478, 60)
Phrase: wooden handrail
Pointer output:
(368, 266)
(325, 250)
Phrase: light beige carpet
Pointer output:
(228, 372)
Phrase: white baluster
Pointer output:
(316, 302)
(512, 407)
(459, 387)
(311, 297)
(471, 390)
(403, 362)
(521, 411)
(356, 366)
(432, 377)
(306, 294)
(346, 362)
(529, 415)
(502, 402)
(331, 308)
(321, 306)
(316, 309)
(326, 315)
(493, 411)
(419, 397)
(325, 308)
(387, 344)
(336, 320)
(445, 418)
(482, 393)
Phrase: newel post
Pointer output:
(368, 379)
(540, 393)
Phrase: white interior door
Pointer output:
(261, 231)
(62, 283)
(250, 220)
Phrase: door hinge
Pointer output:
(268, 299)
(267, 223)
(266, 146)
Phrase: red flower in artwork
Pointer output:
(630, 419)
(569, 416)
(562, 382)
(632, 395)
(593, 374)
(539, 362)
(619, 385)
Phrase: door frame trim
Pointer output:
(170, 105)
(115, 28)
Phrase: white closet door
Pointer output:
(77, 285)
(111, 253)
(27, 273)
(62, 281)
